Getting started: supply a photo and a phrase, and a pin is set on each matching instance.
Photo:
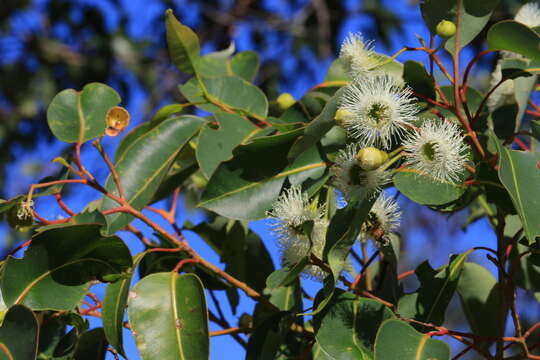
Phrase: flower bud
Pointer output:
(117, 120)
(371, 158)
(446, 29)
(285, 101)
(341, 115)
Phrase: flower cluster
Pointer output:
(380, 114)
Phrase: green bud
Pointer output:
(446, 29)
(371, 158)
(341, 115)
(285, 101)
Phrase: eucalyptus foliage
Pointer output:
(320, 169)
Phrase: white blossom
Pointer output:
(437, 149)
(354, 182)
(383, 219)
(378, 109)
(358, 54)
(289, 212)
(529, 14)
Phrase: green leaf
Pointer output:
(183, 44)
(168, 314)
(340, 237)
(473, 17)
(480, 296)
(78, 116)
(285, 276)
(429, 302)
(397, 339)
(246, 186)
(346, 329)
(535, 128)
(244, 64)
(287, 297)
(523, 86)
(425, 190)
(416, 76)
(317, 128)
(216, 145)
(92, 345)
(113, 307)
(19, 334)
(337, 71)
(231, 91)
(269, 336)
(516, 37)
(142, 165)
(519, 173)
(62, 261)
(243, 251)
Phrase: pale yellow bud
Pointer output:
(446, 29)
(285, 101)
(371, 158)
(341, 115)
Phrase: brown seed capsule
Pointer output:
(117, 120)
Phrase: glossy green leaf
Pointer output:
(535, 128)
(317, 128)
(287, 297)
(416, 76)
(168, 314)
(425, 190)
(244, 64)
(340, 237)
(337, 71)
(527, 270)
(242, 252)
(429, 302)
(92, 345)
(51, 330)
(231, 91)
(183, 44)
(520, 175)
(285, 276)
(398, 340)
(62, 261)
(215, 145)
(268, 337)
(523, 86)
(513, 36)
(480, 296)
(19, 334)
(78, 116)
(113, 308)
(245, 187)
(142, 165)
(184, 166)
(346, 329)
(473, 16)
